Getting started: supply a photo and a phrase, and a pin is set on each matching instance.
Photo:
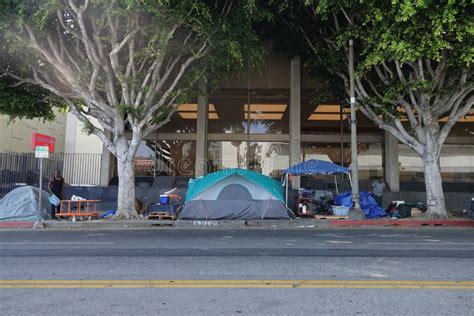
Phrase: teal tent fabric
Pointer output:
(196, 186)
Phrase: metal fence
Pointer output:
(18, 169)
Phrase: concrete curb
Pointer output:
(15, 225)
(402, 223)
(271, 224)
(199, 224)
(234, 224)
(107, 224)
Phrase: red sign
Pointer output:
(43, 140)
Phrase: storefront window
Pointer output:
(223, 155)
(228, 106)
(231, 112)
(369, 156)
(268, 112)
(464, 127)
(331, 117)
(411, 166)
(324, 118)
(370, 160)
(326, 151)
(269, 158)
(145, 159)
(176, 157)
(184, 120)
(457, 163)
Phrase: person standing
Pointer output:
(378, 187)
(56, 187)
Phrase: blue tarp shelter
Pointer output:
(315, 166)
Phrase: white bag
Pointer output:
(77, 198)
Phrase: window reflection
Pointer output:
(369, 160)
(267, 112)
(223, 155)
(457, 163)
(411, 166)
(326, 115)
(329, 112)
(145, 159)
(176, 157)
(464, 127)
(369, 156)
(188, 111)
(184, 120)
(229, 108)
(269, 158)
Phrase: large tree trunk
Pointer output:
(126, 187)
(434, 186)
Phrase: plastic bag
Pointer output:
(54, 200)
(344, 199)
(77, 198)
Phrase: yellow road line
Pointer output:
(238, 284)
(247, 281)
(234, 286)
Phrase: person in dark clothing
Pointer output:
(378, 188)
(56, 187)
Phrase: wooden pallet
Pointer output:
(77, 215)
(330, 217)
(161, 216)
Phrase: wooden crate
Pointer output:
(330, 217)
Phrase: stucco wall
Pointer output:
(16, 136)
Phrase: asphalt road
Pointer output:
(252, 271)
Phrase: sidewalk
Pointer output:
(237, 224)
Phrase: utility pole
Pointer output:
(355, 166)
(40, 185)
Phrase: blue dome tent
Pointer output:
(234, 194)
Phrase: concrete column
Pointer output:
(295, 115)
(106, 166)
(201, 130)
(391, 166)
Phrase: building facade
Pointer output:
(16, 135)
(266, 120)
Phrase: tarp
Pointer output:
(315, 166)
(234, 194)
(367, 204)
(197, 186)
(21, 204)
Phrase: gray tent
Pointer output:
(21, 204)
(234, 194)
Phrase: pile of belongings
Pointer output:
(470, 209)
(367, 204)
(404, 210)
